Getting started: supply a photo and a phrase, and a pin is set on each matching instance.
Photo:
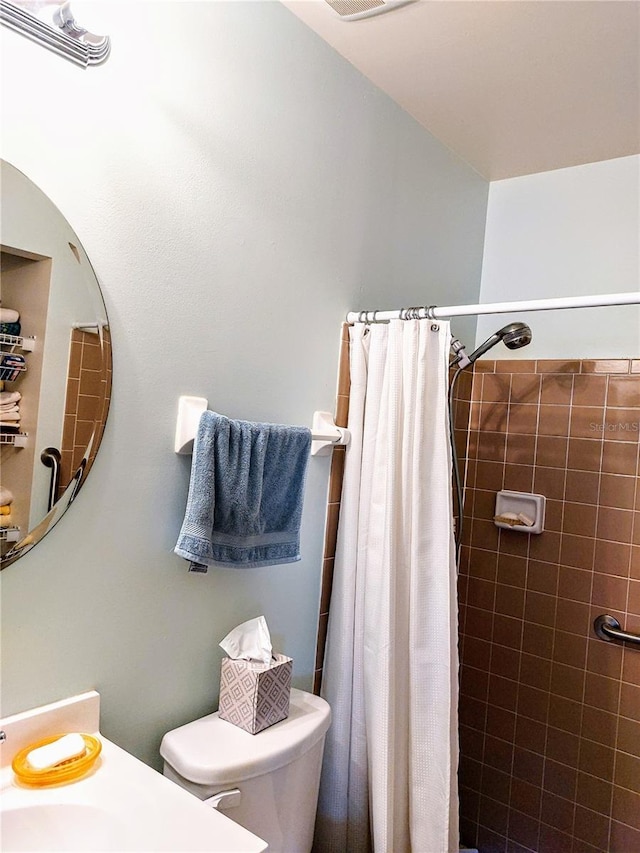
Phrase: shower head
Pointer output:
(513, 336)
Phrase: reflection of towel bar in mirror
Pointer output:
(51, 458)
(324, 433)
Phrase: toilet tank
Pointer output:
(276, 772)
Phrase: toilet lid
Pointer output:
(211, 751)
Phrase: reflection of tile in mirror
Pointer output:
(88, 389)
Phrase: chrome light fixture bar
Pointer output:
(67, 38)
(355, 10)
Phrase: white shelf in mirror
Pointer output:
(14, 439)
(26, 344)
(9, 534)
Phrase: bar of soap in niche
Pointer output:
(63, 749)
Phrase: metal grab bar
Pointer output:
(608, 628)
(51, 457)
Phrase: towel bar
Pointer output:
(325, 435)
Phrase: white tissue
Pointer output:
(249, 641)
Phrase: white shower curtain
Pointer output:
(389, 779)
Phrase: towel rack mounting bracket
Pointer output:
(326, 435)
(189, 411)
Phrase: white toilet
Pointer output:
(266, 782)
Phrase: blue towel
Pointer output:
(245, 494)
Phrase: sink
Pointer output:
(120, 805)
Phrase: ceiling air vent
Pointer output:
(353, 10)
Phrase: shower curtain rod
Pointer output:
(433, 312)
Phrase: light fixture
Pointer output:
(63, 35)
(354, 10)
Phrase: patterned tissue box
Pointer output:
(253, 695)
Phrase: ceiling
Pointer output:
(512, 86)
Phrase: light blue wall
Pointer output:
(239, 187)
(570, 232)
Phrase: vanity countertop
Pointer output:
(121, 804)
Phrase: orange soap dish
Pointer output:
(66, 771)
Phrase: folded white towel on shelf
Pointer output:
(10, 416)
(8, 315)
(6, 496)
(8, 410)
(7, 397)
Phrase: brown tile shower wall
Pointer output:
(333, 508)
(550, 715)
(87, 400)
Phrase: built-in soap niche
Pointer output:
(520, 511)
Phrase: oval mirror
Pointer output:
(55, 365)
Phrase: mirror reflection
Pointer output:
(55, 365)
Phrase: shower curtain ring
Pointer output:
(430, 309)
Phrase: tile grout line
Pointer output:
(555, 626)
(562, 536)
(526, 576)
(498, 551)
(616, 751)
(486, 703)
(555, 616)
